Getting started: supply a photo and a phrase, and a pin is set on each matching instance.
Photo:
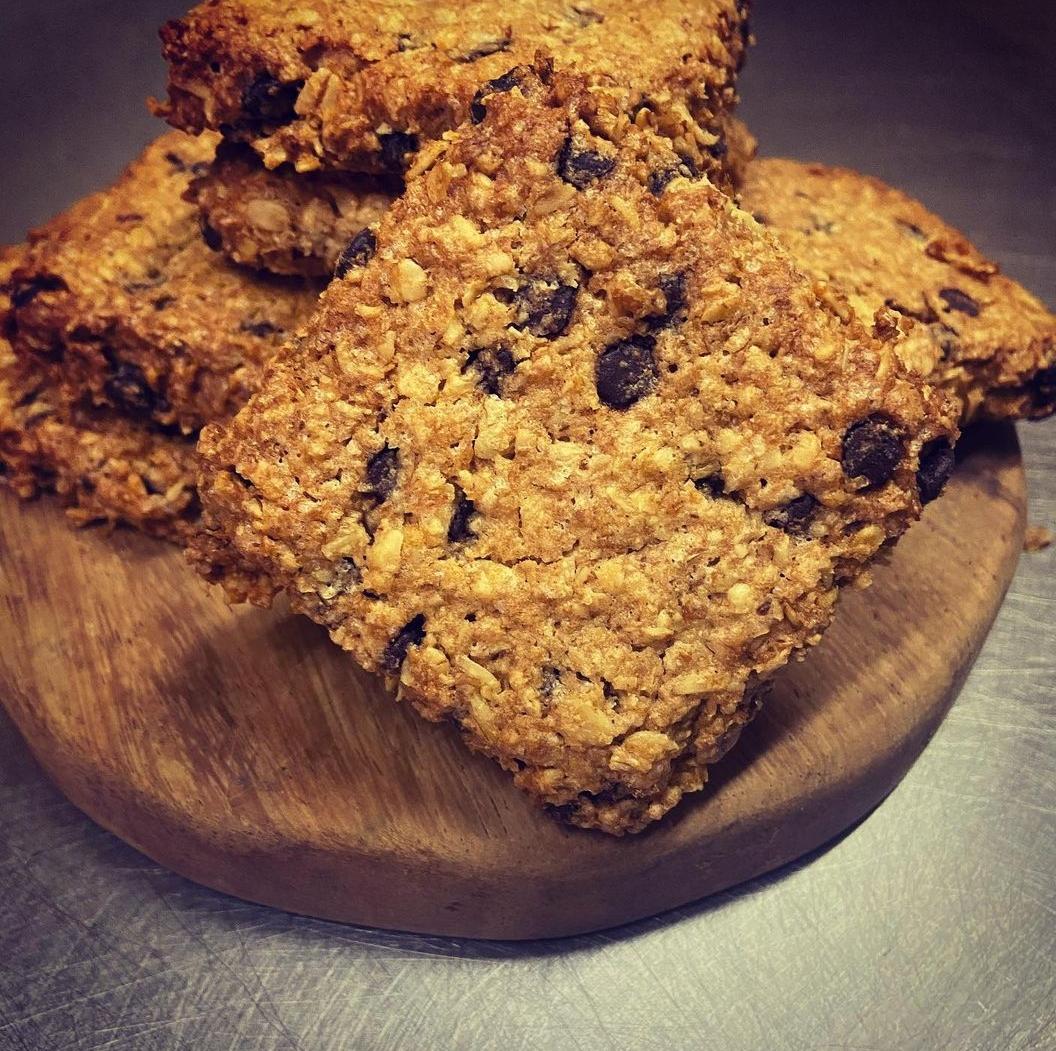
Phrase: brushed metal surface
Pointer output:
(932, 924)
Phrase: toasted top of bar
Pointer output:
(122, 297)
(575, 451)
(360, 85)
(972, 330)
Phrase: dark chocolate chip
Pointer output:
(685, 167)
(955, 299)
(925, 314)
(210, 235)
(581, 167)
(713, 484)
(507, 82)
(719, 148)
(383, 470)
(395, 146)
(544, 311)
(127, 387)
(626, 372)
(263, 329)
(493, 365)
(936, 466)
(1044, 384)
(462, 514)
(795, 517)
(26, 291)
(269, 101)
(357, 252)
(873, 448)
(673, 287)
(411, 634)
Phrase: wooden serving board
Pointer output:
(243, 750)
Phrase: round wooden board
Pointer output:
(243, 750)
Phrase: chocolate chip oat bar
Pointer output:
(104, 467)
(977, 333)
(574, 454)
(123, 300)
(361, 86)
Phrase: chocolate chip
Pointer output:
(795, 517)
(712, 484)
(357, 252)
(926, 314)
(263, 329)
(485, 48)
(626, 372)
(673, 287)
(25, 292)
(411, 634)
(873, 448)
(493, 364)
(464, 509)
(719, 148)
(936, 466)
(544, 311)
(210, 235)
(657, 181)
(581, 167)
(955, 299)
(383, 470)
(269, 101)
(395, 145)
(127, 387)
(507, 82)
(550, 679)
(1044, 384)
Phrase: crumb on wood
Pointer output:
(1037, 538)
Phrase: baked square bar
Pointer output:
(103, 466)
(977, 333)
(122, 303)
(360, 86)
(574, 454)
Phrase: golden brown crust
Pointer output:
(104, 468)
(300, 224)
(977, 333)
(120, 300)
(357, 86)
(578, 455)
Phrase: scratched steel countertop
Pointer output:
(931, 924)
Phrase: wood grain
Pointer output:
(241, 749)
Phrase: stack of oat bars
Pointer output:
(598, 411)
